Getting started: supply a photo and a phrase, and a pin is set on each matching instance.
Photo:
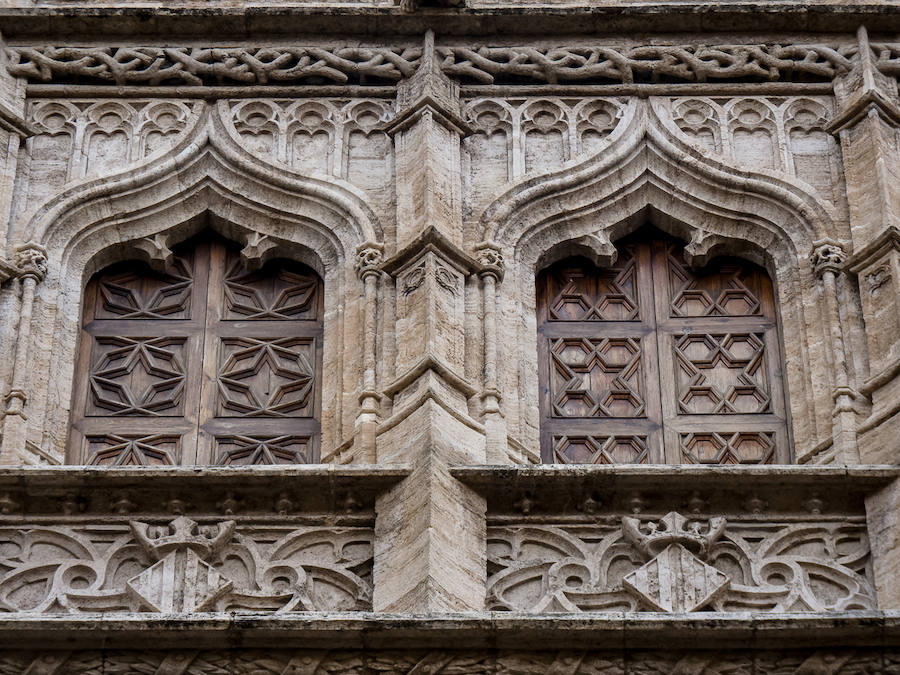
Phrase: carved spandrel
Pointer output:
(137, 376)
(721, 373)
(771, 565)
(184, 566)
(597, 377)
(266, 378)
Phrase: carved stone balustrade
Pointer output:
(258, 540)
(676, 539)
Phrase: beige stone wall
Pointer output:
(428, 179)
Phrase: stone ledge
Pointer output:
(608, 631)
(561, 489)
(83, 19)
(83, 490)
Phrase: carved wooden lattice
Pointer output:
(650, 361)
(207, 362)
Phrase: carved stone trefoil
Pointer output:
(675, 579)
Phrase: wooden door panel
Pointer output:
(207, 362)
(691, 372)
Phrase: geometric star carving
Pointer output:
(285, 295)
(137, 376)
(266, 378)
(256, 450)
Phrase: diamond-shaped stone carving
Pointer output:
(180, 582)
(676, 581)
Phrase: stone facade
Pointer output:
(414, 168)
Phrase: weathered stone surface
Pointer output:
(427, 160)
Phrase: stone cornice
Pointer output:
(557, 490)
(887, 240)
(85, 19)
(605, 631)
(318, 488)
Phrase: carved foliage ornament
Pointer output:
(198, 66)
(184, 566)
(694, 563)
(486, 65)
(454, 662)
(827, 256)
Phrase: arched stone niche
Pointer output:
(207, 181)
(647, 174)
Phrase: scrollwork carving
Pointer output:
(184, 566)
(771, 566)
(203, 65)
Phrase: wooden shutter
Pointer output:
(652, 362)
(206, 363)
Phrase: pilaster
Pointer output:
(868, 126)
(430, 529)
(13, 131)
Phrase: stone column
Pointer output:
(368, 258)
(31, 262)
(868, 126)
(430, 530)
(828, 258)
(491, 260)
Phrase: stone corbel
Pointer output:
(155, 251)
(255, 250)
(702, 248)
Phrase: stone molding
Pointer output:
(604, 64)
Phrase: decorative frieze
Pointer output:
(213, 65)
(681, 564)
(183, 566)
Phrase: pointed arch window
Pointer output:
(207, 362)
(650, 361)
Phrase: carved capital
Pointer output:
(31, 261)
(490, 260)
(827, 256)
(368, 259)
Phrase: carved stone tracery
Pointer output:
(183, 566)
